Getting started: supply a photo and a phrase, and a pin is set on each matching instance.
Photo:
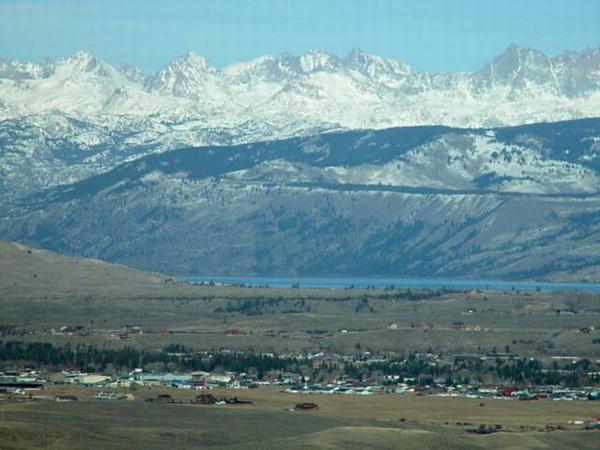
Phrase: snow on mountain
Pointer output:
(528, 72)
(519, 202)
(456, 160)
(16, 70)
(80, 84)
(563, 87)
(63, 120)
(189, 76)
(132, 73)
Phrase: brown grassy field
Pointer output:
(528, 323)
(379, 421)
(104, 297)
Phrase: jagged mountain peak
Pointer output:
(132, 73)
(284, 67)
(513, 61)
(517, 50)
(184, 76)
(317, 60)
(374, 66)
(526, 71)
(589, 58)
(523, 72)
(82, 55)
(190, 59)
(358, 57)
(18, 70)
(359, 90)
(269, 68)
(81, 62)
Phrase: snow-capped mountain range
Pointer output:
(298, 157)
(64, 120)
(359, 91)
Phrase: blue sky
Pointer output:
(435, 35)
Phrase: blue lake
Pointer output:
(431, 283)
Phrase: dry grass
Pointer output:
(425, 410)
(341, 422)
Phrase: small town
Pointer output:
(315, 376)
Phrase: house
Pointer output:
(458, 325)
(108, 396)
(21, 384)
(72, 376)
(421, 325)
(164, 378)
(508, 391)
(587, 330)
(306, 407)
(164, 398)
(71, 330)
(220, 379)
(133, 329)
(594, 395)
(93, 379)
(237, 401)
(205, 399)
(392, 326)
(66, 398)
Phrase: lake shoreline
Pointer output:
(399, 283)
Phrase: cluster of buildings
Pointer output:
(139, 378)
(511, 392)
(18, 382)
(392, 385)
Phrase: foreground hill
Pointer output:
(377, 422)
(423, 201)
(31, 272)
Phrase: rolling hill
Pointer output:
(28, 272)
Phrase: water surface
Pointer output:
(417, 283)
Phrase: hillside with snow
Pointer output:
(516, 202)
(310, 164)
(64, 120)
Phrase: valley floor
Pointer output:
(65, 307)
(382, 421)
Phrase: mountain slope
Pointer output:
(417, 201)
(64, 120)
